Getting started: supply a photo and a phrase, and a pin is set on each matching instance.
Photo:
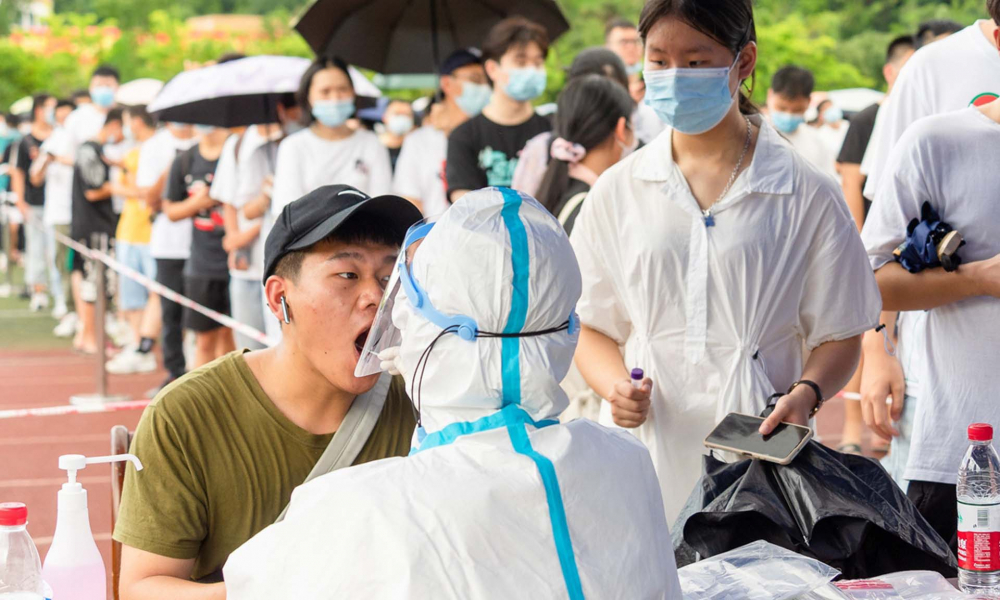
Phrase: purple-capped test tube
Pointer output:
(637, 377)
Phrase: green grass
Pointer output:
(20, 329)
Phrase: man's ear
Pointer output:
(275, 289)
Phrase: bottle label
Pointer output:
(979, 537)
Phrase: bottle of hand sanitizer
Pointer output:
(73, 565)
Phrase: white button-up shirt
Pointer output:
(717, 315)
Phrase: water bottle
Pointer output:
(20, 569)
(979, 515)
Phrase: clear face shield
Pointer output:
(384, 334)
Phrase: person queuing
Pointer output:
(243, 179)
(490, 454)
(420, 170)
(29, 194)
(397, 121)
(935, 30)
(917, 452)
(79, 98)
(135, 227)
(592, 133)
(731, 254)
(56, 171)
(948, 161)
(206, 272)
(534, 159)
(169, 241)
(622, 37)
(931, 75)
(852, 183)
(225, 446)
(88, 118)
(831, 125)
(328, 151)
(483, 152)
(787, 102)
(92, 214)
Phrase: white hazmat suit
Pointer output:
(497, 500)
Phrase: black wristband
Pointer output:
(815, 389)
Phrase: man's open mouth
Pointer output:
(359, 342)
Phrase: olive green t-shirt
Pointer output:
(220, 463)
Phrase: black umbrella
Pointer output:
(412, 36)
(841, 509)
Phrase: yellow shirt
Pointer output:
(135, 224)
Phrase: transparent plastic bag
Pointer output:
(908, 585)
(757, 571)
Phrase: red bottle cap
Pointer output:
(13, 514)
(980, 432)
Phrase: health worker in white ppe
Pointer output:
(730, 253)
(497, 499)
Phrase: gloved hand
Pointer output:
(388, 358)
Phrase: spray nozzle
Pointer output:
(76, 462)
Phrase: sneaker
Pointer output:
(67, 326)
(118, 331)
(60, 311)
(5, 290)
(130, 362)
(39, 302)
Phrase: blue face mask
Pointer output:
(204, 129)
(833, 114)
(524, 85)
(333, 113)
(103, 96)
(634, 69)
(474, 98)
(399, 124)
(786, 122)
(692, 101)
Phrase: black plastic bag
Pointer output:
(841, 509)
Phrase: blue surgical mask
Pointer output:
(692, 101)
(50, 116)
(524, 85)
(127, 132)
(399, 124)
(103, 96)
(204, 129)
(333, 113)
(786, 122)
(474, 98)
(833, 114)
(634, 69)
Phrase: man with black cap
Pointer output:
(419, 174)
(225, 445)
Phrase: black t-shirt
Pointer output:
(858, 136)
(575, 188)
(90, 173)
(28, 149)
(190, 173)
(482, 153)
(394, 157)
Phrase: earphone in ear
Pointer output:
(284, 310)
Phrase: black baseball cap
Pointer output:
(313, 217)
(461, 58)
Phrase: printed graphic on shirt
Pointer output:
(206, 220)
(984, 99)
(498, 166)
(362, 167)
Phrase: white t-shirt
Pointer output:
(646, 124)
(117, 152)
(307, 162)
(948, 160)
(83, 125)
(58, 180)
(808, 142)
(420, 170)
(239, 179)
(948, 75)
(834, 137)
(169, 240)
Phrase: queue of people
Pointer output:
(723, 250)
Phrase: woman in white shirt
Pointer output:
(712, 255)
(328, 151)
